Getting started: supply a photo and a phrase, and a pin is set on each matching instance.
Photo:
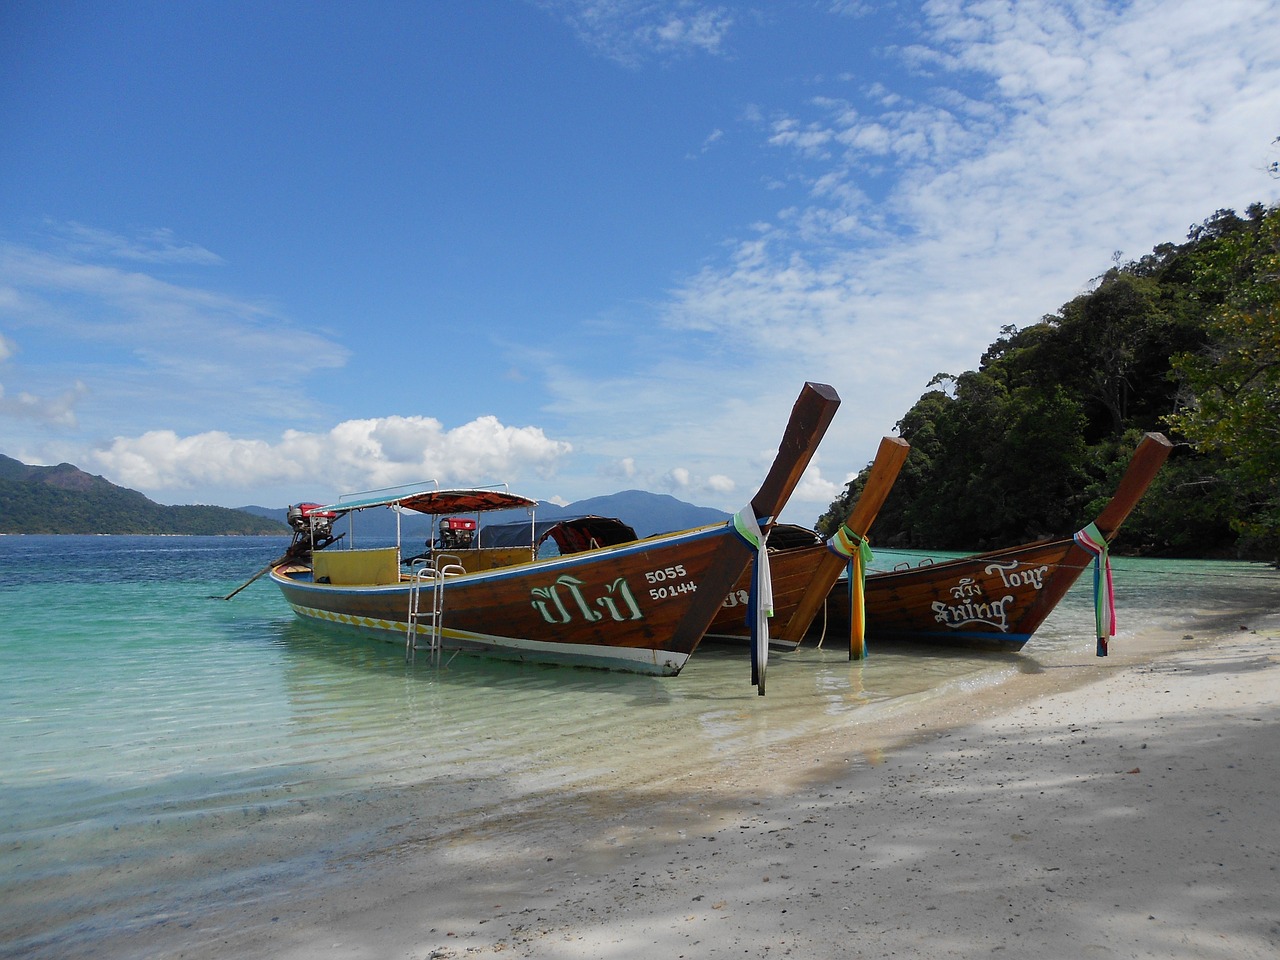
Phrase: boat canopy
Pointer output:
(571, 534)
(429, 499)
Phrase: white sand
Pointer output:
(1116, 808)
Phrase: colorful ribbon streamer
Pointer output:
(855, 548)
(760, 608)
(1104, 595)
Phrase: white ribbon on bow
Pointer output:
(747, 527)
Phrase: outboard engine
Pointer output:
(457, 533)
(311, 524)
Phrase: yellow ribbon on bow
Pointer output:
(854, 548)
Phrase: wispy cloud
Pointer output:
(133, 337)
(711, 140)
(59, 411)
(1042, 139)
(155, 246)
(633, 31)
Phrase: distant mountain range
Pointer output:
(646, 513)
(66, 500)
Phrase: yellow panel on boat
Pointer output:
(350, 567)
(490, 558)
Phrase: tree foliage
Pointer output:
(1231, 406)
(1185, 340)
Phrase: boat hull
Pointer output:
(642, 607)
(791, 572)
(995, 600)
(992, 600)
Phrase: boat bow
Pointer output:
(810, 417)
(845, 549)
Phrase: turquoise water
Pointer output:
(166, 752)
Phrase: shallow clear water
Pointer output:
(165, 750)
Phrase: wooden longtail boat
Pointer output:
(641, 606)
(999, 599)
(804, 568)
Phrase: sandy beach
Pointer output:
(1112, 808)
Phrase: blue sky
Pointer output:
(265, 252)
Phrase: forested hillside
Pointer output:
(1185, 341)
(65, 499)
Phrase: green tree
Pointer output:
(1231, 398)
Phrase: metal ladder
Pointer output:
(426, 604)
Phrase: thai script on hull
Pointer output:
(969, 600)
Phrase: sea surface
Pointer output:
(165, 752)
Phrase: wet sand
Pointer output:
(1123, 807)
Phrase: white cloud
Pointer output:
(1032, 141)
(853, 8)
(621, 469)
(1048, 137)
(353, 455)
(631, 31)
(677, 478)
(720, 483)
(814, 488)
(701, 29)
